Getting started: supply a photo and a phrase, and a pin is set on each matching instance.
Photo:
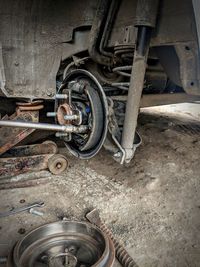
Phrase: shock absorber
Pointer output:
(146, 13)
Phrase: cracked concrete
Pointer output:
(152, 205)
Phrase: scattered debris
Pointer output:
(21, 209)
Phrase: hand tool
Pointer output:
(21, 209)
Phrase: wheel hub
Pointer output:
(81, 101)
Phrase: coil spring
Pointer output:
(123, 71)
(124, 52)
(121, 254)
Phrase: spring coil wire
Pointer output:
(124, 52)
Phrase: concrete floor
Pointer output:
(152, 205)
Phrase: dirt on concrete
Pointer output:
(152, 204)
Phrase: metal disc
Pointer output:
(63, 244)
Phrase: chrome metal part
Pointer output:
(21, 209)
(63, 244)
(36, 212)
(61, 134)
(71, 117)
(61, 96)
(120, 252)
(51, 114)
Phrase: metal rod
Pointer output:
(45, 126)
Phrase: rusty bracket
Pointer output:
(14, 166)
(10, 137)
(36, 157)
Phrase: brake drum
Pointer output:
(63, 244)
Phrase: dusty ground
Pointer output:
(152, 204)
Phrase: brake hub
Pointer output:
(81, 101)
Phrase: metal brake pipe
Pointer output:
(45, 126)
(97, 31)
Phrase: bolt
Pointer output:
(61, 96)
(72, 249)
(36, 212)
(60, 134)
(70, 117)
(51, 114)
(118, 155)
(3, 260)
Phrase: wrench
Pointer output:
(22, 209)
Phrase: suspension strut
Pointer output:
(145, 21)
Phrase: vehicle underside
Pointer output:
(86, 67)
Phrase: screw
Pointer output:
(36, 212)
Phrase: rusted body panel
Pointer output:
(35, 36)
